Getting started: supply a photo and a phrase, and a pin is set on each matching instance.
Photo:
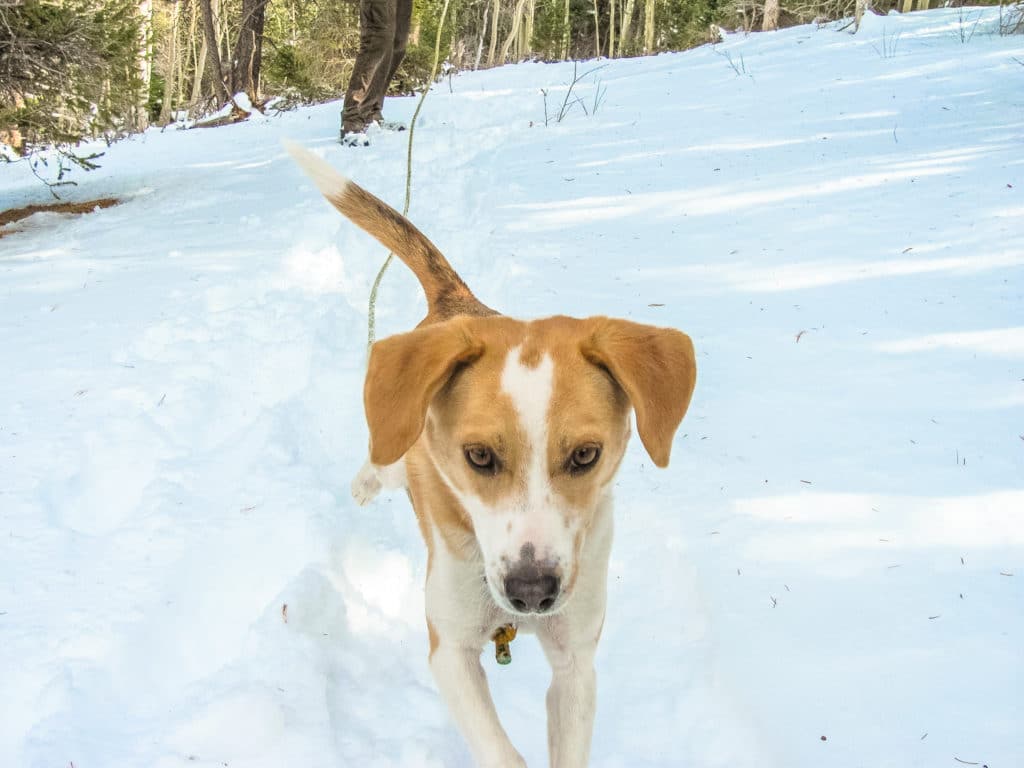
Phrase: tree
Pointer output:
(69, 70)
(248, 55)
(771, 16)
(213, 52)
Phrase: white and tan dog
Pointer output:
(507, 434)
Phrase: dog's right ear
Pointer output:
(404, 374)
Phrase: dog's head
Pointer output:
(526, 423)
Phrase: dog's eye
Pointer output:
(584, 458)
(481, 459)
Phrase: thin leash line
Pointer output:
(371, 329)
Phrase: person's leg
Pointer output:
(373, 62)
(403, 20)
(381, 77)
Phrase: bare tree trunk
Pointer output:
(480, 45)
(597, 32)
(611, 29)
(199, 57)
(248, 54)
(492, 51)
(144, 64)
(858, 13)
(212, 52)
(220, 16)
(170, 81)
(531, 12)
(648, 26)
(517, 13)
(627, 22)
(566, 32)
(771, 16)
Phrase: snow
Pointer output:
(830, 573)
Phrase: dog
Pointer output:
(507, 435)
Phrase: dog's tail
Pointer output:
(447, 295)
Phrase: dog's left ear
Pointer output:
(403, 375)
(657, 370)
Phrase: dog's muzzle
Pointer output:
(531, 586)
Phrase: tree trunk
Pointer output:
(517, 14)
(611, 29)
(771, 16)
(649, 26)
(199, 56)
(480, 45)
(144, 66)
(627, 22)
(248, 54)
(597, 32)
(531, 13)
(494, 34)
(212, 53)
(566, 33)
(170, 81)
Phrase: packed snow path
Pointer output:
(831, 573)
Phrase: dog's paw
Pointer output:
(366, 485)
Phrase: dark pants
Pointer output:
(383, 33)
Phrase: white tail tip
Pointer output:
(327, 180)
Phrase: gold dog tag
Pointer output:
(502, 637)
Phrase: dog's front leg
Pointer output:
(572, 696)
(463, 685)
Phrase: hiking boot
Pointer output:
(354, 138)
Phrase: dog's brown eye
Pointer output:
(584, 458)
(481, 459)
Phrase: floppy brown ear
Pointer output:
(404, 374)
(656, 368)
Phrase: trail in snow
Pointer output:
(837, 549)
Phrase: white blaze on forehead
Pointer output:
(530, 390)
(539, 520)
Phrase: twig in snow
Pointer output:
(799, 335)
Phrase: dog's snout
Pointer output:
(531, 588)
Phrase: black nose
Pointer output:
(531, 589)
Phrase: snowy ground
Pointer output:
(830, 574)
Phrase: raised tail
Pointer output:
(447, 295)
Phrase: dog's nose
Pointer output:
(532, 589)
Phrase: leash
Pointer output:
(504, 635)
(371, 330)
